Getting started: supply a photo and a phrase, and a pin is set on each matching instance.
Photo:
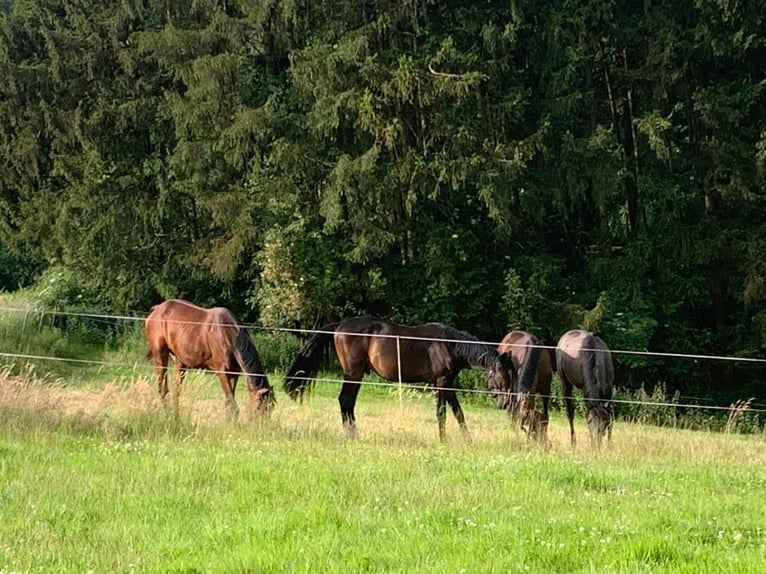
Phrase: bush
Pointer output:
(70, 304)
(557, 396)
(661, 409)
(16, 269)
(642, 407)
(277, 349)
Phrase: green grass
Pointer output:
(97, 476)
(31, 343)
(104, 480)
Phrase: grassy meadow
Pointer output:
(105, 480)
(96, 475)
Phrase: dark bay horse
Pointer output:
(584, 361)
(212, 339)
(532, 364)
(432, 353)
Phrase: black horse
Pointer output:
(432, 353)
(584, 361)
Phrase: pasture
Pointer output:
(100, 478)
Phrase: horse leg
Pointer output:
(347, 400)
(538, 420)
(527, 415)
(229, 386)
(160, 358)
(441, 412)
(609, 426)
(451, 397)
(570, 408)
(544, 420)
(513, 407)
(178, 379)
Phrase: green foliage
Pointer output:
(624, 328)
(536, 301)
(649, 408)
(276, 349)
(291, 293)
(17, 270)
(658, 407)
(532, 165)
(29, 334)
(59, 289)
(65, 301)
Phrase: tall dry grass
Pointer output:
(385, 417)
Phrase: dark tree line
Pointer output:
(533, 164)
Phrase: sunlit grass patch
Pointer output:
(130, 486)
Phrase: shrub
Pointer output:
(65, 301)
(276, 348)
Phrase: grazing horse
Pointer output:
(213, 339)
(532, 364)
(584, 361)
(432, 353)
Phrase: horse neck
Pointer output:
(257, 381)
(475, 355)
(249, 361)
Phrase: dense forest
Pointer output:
(535, 164)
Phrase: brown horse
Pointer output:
(584, 361)
(532, 364)
(432, 353)
(210, 339)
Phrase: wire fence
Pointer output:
(254, 327)
(112, 319)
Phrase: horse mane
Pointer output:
(243, 347)
(470, 349)
(249, 360)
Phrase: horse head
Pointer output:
(263, 401)
(599, 419)
(500, 378)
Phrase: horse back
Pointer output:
(517, 344)
(581, 356)
(199, 337)
(392, 350)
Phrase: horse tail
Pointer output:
(529, 366)
(250, 362)
(309, 360)
(597, 389)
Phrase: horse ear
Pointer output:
(261, 394)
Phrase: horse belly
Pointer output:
(191, 354)
(385, 359)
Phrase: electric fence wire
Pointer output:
(754, 407)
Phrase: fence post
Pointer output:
(399, 367)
